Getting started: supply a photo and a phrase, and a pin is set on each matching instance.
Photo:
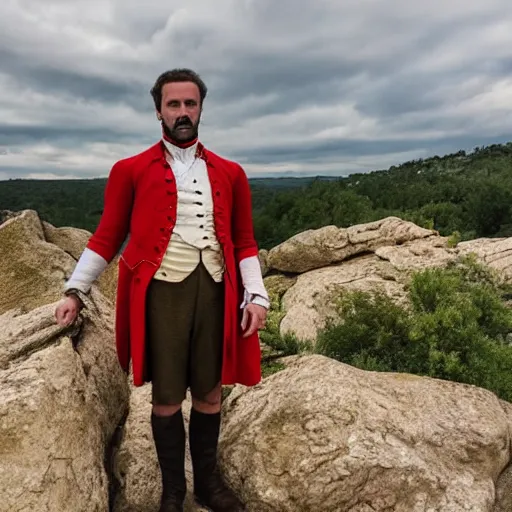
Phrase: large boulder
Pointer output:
(62, 396)
(385, 264)
(328, 245)
(62, 392)
(321, 435)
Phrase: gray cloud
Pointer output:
(326, 86)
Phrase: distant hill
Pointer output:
(465, 194)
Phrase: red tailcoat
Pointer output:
(141, 200)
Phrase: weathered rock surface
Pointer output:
(136, 469)
(494, 252)
(504, 484)
(310, 301)
(33, 271)
(60, 404)
(322, 435)
(263, 257)
(62, 393)
(73, 241)
(385, 261)
(321, 247)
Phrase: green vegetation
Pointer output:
(461, 195)
(466, 195)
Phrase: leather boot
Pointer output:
(210, 490)
(169, 437)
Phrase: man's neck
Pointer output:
(182, 145)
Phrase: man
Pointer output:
(190, 296)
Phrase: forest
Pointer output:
(464, 194)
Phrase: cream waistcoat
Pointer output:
(193, 237)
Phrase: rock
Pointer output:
(62, 395)
(328, 245)
(33, 270)
(310, 302)
(321, 435)
(263, 257)
(136, 469)
(418, 254)
(70, 240)
(494, 252)
(62, 392)
(504, 484)
(73, 242)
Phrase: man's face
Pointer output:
(181, 110)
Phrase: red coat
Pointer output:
(141, 200)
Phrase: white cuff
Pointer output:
(88, 268)
(252, 280)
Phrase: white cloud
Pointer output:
(346, 86)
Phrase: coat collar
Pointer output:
(157, 152)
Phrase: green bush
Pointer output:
(453, 326)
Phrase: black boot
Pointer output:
(209, 488)
(169, 437)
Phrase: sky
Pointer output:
(303, 87)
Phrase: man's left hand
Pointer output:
(253, 319)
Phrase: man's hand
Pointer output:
(67, 310)
(253, 318)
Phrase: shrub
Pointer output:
(453, 326)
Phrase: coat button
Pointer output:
(157, 249)
(137, 280)
(217, 193)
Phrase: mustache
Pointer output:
(183, 121)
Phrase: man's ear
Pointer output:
(158, 115)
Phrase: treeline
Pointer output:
(468, 194)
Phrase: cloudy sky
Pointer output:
(302, 86)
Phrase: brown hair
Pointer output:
(176, 75)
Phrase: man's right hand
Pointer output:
(67, 310)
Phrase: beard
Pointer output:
(178, 133)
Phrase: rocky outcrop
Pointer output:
(328, 245)
(324, 264)
(319, 435)
(62, 393)
(62, 396)
(322, 435)
(494, 252)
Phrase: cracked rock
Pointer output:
(62, 393)
(322, 435)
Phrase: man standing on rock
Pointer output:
(190, 296)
